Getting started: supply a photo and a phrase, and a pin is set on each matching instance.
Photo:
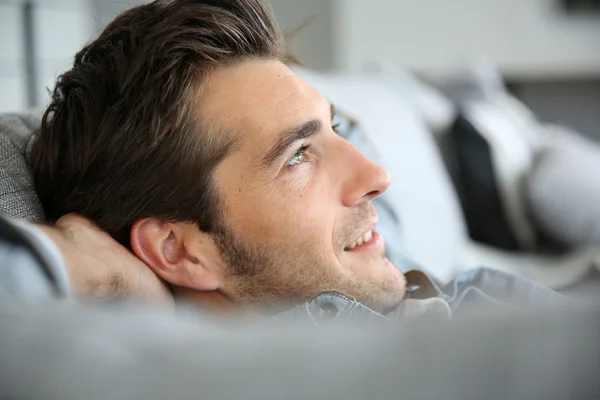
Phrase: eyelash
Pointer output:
(335, 127)
(300, 152)
(291, 163)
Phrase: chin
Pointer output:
(393, 288)
(384, 291)
(389, 275)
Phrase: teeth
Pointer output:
(361, 240)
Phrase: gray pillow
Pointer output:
(17, 195)
(563, 189)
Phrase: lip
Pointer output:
(371, 227)
(375, 244)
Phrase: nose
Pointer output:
(364, 179)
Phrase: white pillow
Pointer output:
(437, 110)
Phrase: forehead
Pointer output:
(257, 99)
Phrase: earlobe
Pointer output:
(163, 247)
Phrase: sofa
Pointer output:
(66, 350)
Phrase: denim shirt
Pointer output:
(479, 290)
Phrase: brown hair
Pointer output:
(120, 140)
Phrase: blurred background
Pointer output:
(548, 51)
(485, 112)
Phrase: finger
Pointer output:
(73, 220)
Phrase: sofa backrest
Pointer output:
(17, 195)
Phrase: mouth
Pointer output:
(368, 241)
(364, 239)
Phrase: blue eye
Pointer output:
(299, 157)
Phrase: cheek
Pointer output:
(296, 213)
(297, 208)
(310, 206)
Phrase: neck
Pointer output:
(214, 301)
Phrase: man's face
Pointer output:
(297, 197)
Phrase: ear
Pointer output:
(177, 253)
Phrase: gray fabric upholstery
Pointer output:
(79, 352)
(17, 195)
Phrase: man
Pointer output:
(183, 134)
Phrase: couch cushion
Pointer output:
(479, 184)
(17, 195)
(492, 146)
(563, 189)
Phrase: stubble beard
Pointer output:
(272, 278)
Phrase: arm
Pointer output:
(72, 258)
(31, 266)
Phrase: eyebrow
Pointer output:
(290, 136)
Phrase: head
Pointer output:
(182, 132)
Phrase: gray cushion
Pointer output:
(563, 189)
(17, 195)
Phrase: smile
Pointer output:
(364, 239)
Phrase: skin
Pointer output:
(287, 224)
(100, 268)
